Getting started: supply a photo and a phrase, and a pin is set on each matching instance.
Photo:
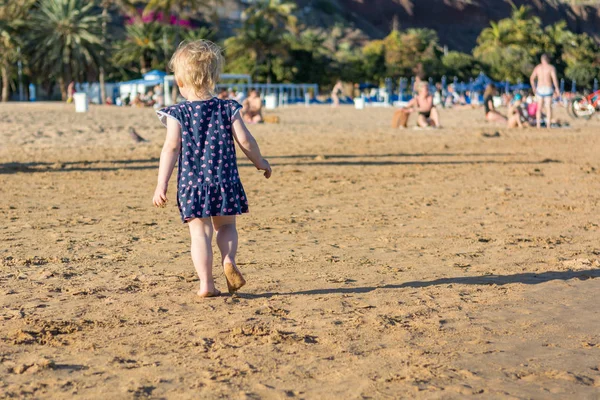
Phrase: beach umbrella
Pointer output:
(460, 86)
(520, 86)
(562, 85)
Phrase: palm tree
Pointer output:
(182, 7)
(265, 25)
(143, 46)
(11, 23)
(278, 13)
(120, 5)
(66, 39)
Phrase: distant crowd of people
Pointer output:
(153, 98)
(252, 105)
(526, 108)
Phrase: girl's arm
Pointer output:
(168, 158)
(248, 144)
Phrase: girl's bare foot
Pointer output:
(214, 293)
(234, 277)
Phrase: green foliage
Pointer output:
(146, 46)
(374, 60)
(461, 65)
(405, 49)
(184, 7)
(308, 59)
(261, 40)
(12, 24)
(65, 39)
(79, 39)
(511, 47)
(583, 74)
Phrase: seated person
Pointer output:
(223, 94)
(252, 108)
(137, 101)
(423, 103)
(149, 99)
(516, 113)
(159, 98)
(491, 115)
(530, 115)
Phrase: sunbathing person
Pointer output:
(491, 115)
(423, 104)
(252, 108)
(516, 112)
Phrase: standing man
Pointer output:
(336, 92)
(545, 88)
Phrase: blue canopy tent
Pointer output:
(520, 86)
(480, 83)
(149, 80)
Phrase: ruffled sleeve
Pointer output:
(233, 107)
(169, 112)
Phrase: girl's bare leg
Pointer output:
(201, 232)
(227, 241)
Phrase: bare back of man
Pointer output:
(545, 85)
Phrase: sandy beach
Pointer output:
(430, 264)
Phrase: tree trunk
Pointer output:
(269, 68)
(102, 86)
(175, 88)
(101, 69)
(63, 88)
(143, 67)
(5, 82)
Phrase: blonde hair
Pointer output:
(197, 64)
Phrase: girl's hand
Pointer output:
(263, 165)
(160, 197)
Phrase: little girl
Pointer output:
(200, 135)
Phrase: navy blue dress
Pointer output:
(208, 182)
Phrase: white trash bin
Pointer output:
(359, 103)
(81, 102)
(271, 101)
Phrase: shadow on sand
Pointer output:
(306, 160)
(528, 278)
